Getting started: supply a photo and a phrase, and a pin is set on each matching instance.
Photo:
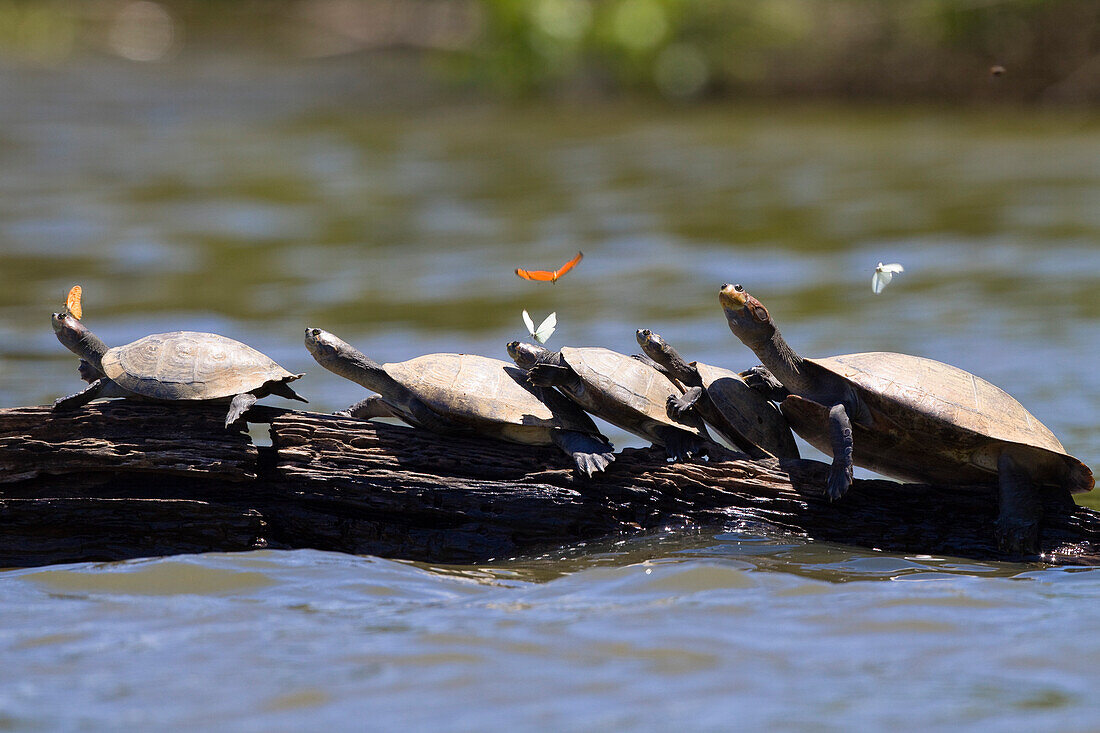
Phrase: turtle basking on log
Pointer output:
(170, 367)
(464, 393)
(623, 390)
(914, 419)
(738, 412)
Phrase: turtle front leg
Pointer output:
(764, 382)
(102, 387)
(1017, 527)
(365, 409)
(654, 365)
(88, 372)
(547, 375)
(840, 436)
(590, 454)
(679, 406)
(239, 406)
(681, 445)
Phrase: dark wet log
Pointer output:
(116, 480)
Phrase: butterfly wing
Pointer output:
(546, 275)
(541, 275)
(529, 323)
(546, 328)
(72, 302)
(880, 280)
(891, 268)
(568, 265)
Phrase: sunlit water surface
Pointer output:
(226, 197)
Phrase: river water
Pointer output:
(229, 196)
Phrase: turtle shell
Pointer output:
(936, 422)
(489, 394)
(626, 391)
(748, 411)
(188, 365)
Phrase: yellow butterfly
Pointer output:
(72, 303)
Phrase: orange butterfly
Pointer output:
(546, 275)
(72, 303)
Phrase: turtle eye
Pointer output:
(738, 289)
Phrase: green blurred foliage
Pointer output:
(882, 48)
(894, 49)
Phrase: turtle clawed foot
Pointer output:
(1017, 536)
(73, 401)
(764, 382)
(675, 407)
(62, 405)
(840, 478)
(88, 372)
(592, 463)
(343, 413)
(683, 449)
(541, 376)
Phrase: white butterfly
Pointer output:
(545, 329)
(883, 275)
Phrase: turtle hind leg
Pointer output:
(282, 389)
(239, 406)
(590, 454)
(103, 387)
(1017, 526)
(421, 416)
(681, 445)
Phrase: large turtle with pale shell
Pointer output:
(911, 418)
(465, 393)
(169, 367)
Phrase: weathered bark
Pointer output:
(120, 479)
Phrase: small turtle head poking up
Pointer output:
(523, 354)
(645, 337)
(747, 317)
(76, 337)
(323, 345)
(67, 329)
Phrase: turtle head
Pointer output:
(76, 337)
(659, 350)
(525, 355)
(747, 317)
(340, 357)
(325, 347)
(650, 342)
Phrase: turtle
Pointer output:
(465, 393)
(625, 391)
(914, 419)
(169, 367)
(740, 414)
